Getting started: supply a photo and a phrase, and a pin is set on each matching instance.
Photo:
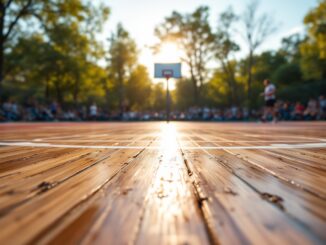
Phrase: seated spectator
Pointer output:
(6, 107)
(54, 107)
(234, 112)
(2, 115)
(93, 111)
(245, 112)
(285, 111)
(44, 114)
(311, 111)
(322, 107)
(32, 111)
(15, 111)
(298, 111)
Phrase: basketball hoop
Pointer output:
(167, 73)
(167, 70)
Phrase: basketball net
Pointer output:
(167, 74)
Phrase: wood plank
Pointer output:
(307, 209)
(292, 171)
(310, 158)
(29, 157)
(158, 195)
(120, 214)
(24, 187)
(172, 214)
(236, 213)
(111, 215)
(44, 209)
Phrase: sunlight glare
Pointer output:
(169, 141)
(169, 53)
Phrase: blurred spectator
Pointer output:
(54, 109)
(32, 111)
(322, 107)
(311, 111)
(93, 111)
(298, 111)
(285, 111)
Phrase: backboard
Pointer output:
(167, 70)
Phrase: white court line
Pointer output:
(272, 146)
(147, 141)
(57, 137)
(286, 136)
(200, 141)
(69, 136)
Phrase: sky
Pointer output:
(140, 17)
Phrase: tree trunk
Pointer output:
(194, 83)
(229, 80)
(76, 89)
(121, 93)
(46, 92)
(234, 86)
(1, 63)
(107, 98)
(201, 83)
(249, 82)
(2, 16)
(58, 92)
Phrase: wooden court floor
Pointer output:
(157, 183)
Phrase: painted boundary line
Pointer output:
(272, 146)
(50, 141)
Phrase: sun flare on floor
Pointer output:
(169, 142)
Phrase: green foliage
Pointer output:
(192, 33)
(302, 92)
(288, 75)
(313, 48)
(139, 88)
(183, 94)
(224, 48)
(122, 60)
(158, 99)
(291, 48)
(58, 58)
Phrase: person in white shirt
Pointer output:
(93, 111)
(270, 100)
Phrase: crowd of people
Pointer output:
(10, 110)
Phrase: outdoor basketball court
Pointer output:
(158, 183)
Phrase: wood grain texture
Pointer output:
(157, 183)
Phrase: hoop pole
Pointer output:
(167, 100)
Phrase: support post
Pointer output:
(167, 101)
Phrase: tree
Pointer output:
(60, 66)
(257, 28)
(139, 88)
(217, 89)
(9, 18)
(288, 75)
(122, 60)
(266, 64)
(182, 91)
(313, 48)
(290, 48)
(224, 49)
(158, 99)
(193, 35)
(44, 12)
(30, 64)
